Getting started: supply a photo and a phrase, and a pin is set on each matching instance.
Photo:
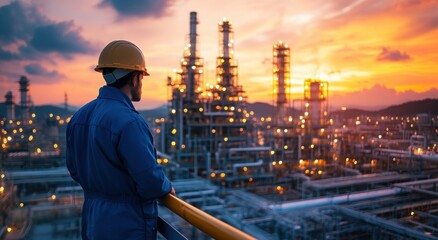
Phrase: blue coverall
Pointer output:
(110, 153)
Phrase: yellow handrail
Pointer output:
(212, 226)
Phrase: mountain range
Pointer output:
(260, 109)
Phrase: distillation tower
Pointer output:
(186, 101)
(25, 101)
(10, 106)
(314, 123)
(281, 134)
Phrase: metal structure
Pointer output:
(281, 82)
(25, 101)
(10, 106)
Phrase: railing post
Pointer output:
(210, 225)
(168, 231)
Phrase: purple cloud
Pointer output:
(392, 55)
(35, 36)
(138, 8)
(38, 70)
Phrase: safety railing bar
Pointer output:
(210, 225)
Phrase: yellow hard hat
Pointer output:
(122, 54)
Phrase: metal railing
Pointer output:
(210, 225)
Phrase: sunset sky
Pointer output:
(373, 53)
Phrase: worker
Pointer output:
(111, 153)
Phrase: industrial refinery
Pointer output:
(305, 172)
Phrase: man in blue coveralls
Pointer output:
(111, 154)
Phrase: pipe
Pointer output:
(251, 164)
(248, 149)
(352, 171)
(218, 113)
(295, 205)
(383, 223)
(203, 221)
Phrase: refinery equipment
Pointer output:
(281, 133)
(25, 99)
(208, 126)
(282, 82)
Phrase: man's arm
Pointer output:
(69, 155)
(139, 157)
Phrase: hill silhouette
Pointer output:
(428, 105)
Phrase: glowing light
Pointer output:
(213, 130)
(38, 150)
(55, 145)
(53, 197)
(201, 109)
(225, 139)
(9, 229)
(245, 169)
(165, 160)
(272, 152)
(274, 163)
(173, 111)
(213, 175)
(21, 204)
(2, 175)
(223, 175)
(173, 131)
(51, 115)
(280, 162)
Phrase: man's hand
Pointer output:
(173, 192)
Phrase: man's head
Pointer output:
(123, 66)
(131, 83)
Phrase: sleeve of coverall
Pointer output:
(69, 155)
(139, 155)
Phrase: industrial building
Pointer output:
(302, 173)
